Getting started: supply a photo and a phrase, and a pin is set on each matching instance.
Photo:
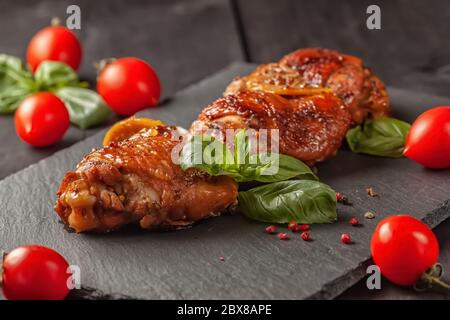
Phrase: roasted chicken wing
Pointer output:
(310, 128)
(311, 96)
(312, 71)
(136, 181)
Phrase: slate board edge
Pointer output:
(336, 287)
(330, 291)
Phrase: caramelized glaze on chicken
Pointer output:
(312, 96)
(136, 181)
(310, 128)
(312, 71)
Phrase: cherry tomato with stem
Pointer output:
(35, 273)
(55, 43)
(406, 251)
(428, 140)
(41, 119)
(129, 85)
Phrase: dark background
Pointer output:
(187, 40)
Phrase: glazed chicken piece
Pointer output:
(312, 71)
(312, 96)
(136, 181)
(310, 128)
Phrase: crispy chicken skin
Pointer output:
(310, 128)
(363, 93)
(136, 181)
(312, 96)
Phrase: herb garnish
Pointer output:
(85, 106)
(292, 192)
(383, 137)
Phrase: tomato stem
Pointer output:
(432, 278)
(440, 283)
(101, 64)
(55, 21)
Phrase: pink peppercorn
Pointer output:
(305, 235)
(283, 236)
(271, 229)
(292, 226)
(346, 238)
(353, 221)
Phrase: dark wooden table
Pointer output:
(188, 40)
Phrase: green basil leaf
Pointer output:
(16, 83)
(379, 137)
(266, 167)
(241, 166)
(15, 68)
(303, 201)
(52, 75)
(86, 107)
(205, 153)
(288, 168)
(270, 168)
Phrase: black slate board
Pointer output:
(186, 264)
(160, 31)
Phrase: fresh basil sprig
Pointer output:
(303, 201)
(209, 154)
(51, 75)
(282, 199)
(383, 137)
(16, 83)
(86, 108)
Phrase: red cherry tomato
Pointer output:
(129, 85)
(428, 140)
(41, 119)
(35, 273)
(54, 43)
(403, 248)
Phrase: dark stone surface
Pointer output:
(187, 40)
(184, 41)
(390, 291)
(410, 50)
(186, 264)
(16, 155)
